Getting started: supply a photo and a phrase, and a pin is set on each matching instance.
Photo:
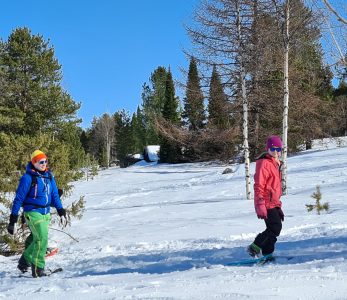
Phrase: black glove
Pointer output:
(280, 212)
(62, 212)
(13, 220)
(10, 228)
(62, 215)
(22, 219)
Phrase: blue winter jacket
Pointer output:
(39, 197)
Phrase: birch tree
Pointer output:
(103, 138)
(220, 36)
(258, 46)
(295, 22)
(242, 76)
(285, 95)
(285, 33)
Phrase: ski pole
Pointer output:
(65, 233)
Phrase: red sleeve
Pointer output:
(260, 178)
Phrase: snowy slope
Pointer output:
(169, 231)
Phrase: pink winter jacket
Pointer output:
(267, 183)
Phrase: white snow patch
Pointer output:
(169, 231)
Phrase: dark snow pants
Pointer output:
(267, 239)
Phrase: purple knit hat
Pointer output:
(273, 141)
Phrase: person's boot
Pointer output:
(37, 272)
(23, 265)
(254, 251)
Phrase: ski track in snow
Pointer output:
(169, 232)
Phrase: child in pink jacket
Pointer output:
(267, 194)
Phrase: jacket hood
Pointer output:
(264, 155)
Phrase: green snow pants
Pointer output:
(35, 250)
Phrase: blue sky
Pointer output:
(107, 48)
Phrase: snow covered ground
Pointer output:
(169, 231)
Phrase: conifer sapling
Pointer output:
(318, 206)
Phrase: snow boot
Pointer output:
(254, 251)
(37, 272)
(23, 265)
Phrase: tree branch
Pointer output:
(339, 18)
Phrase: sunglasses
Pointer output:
(42, 162)
(277, 149)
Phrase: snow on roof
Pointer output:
(153, 152)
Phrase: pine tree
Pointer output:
(317, 195)
(32, 101)
(124, 137)
(170, 107)
(85, 138)
(169, 151)
(153, 98)
(218, 106)
(35, 113)
(340, 99)
(70, 134)
(11, 118)
(33, 77)
(138, 131)
(194, 111)
(94, 141)
(33, 105)
(158, 80)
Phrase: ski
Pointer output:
(48, 273)
(57, 270)
(261, 260)
(51, 251)
(253, 261)
(282, 259)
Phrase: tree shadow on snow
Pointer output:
(314, 249)
(298, 252)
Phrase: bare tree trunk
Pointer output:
(245, 109)
(256, 129)
(286, 99)
(245, 135)
(258, 62)
(108, 151)
(106, 130)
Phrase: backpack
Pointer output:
(32, 185)
(34, 180)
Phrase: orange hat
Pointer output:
(37, 155)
